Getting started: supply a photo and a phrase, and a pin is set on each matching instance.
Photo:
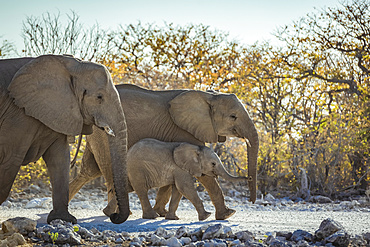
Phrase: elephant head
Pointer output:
(210, 117)
(201, 160)
(70, 96)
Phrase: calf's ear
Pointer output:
(186, 157)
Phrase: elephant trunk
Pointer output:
(118, 152)
(222, 172)
(251, 136)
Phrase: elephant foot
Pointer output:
(204, 216)
(170, 216)
(62, 216)
(150, 215)
(225, 214)
(162, 212)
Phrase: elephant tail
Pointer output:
(73, 162)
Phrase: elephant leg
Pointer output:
(148, 211)
(163, 196)
(187, 189)
(174, 204)
(57, 161)
(8, 173)
(99, 149)
(89, 171)
(217, 197)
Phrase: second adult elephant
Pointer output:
(191, 116)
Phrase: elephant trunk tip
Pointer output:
(118, 218)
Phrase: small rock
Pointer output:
(156, 240)
(84, 233)
(269, 240)
(34, 188)
(94, 230)
(119, 241)
(355, 203)
(19, 224)
(214, 243)
(169, 234)
(226, 232)
(137, 240)
(7, 204)
(326, 245)
(345, 205)
(198, 244)
(320, 199)
(278, 243)
(301, 235)
(287, 235)
(39, 203)
(109, 233)
(269, 198)
(185, 240)
(213, 232)
(13, 240)
(302, 243)
(327, 228)
(182, 232)
(244, 236)
(196, 234)
(366, 236)
(35, 240)
(340, 238)
(173, 242)
(194, 238)
(358, 241)
(135, 244)
(236, 242)
(160, 232)
(228, 199)
(253, 243)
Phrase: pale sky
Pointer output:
(247, 21)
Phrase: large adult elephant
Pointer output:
(43, 102)
(189, 116)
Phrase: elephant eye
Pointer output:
(99, 97)
(213, 164)
(233, 117)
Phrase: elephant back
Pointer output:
(8, 68)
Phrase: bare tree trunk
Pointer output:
(304, 191)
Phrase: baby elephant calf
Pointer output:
(152, 163)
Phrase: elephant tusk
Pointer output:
(109, 131)
(248, 143)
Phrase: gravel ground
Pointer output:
(257, 222)
(264, 218)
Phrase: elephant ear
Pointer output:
(191, 111)
(43, 87)
(186, 157)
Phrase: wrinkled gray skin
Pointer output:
(43, 102)
(190, 116)
(152, 163)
